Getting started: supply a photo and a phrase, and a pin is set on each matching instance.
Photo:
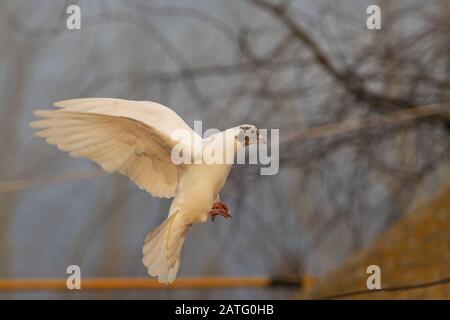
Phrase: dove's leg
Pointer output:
(219, 208)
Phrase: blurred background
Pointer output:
(346, 196)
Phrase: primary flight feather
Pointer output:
(136, 139)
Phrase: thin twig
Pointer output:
(388, 289)
(44, 181)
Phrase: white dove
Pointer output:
(135, 138)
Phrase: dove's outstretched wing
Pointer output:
(131, 137)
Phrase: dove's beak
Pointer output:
(260, 138)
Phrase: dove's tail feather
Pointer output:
(162, 249)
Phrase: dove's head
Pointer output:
(246, 134)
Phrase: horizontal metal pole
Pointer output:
(150, 283)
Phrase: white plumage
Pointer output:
(134, 138)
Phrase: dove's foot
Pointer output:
(219, 209)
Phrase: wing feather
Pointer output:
(133, 138)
